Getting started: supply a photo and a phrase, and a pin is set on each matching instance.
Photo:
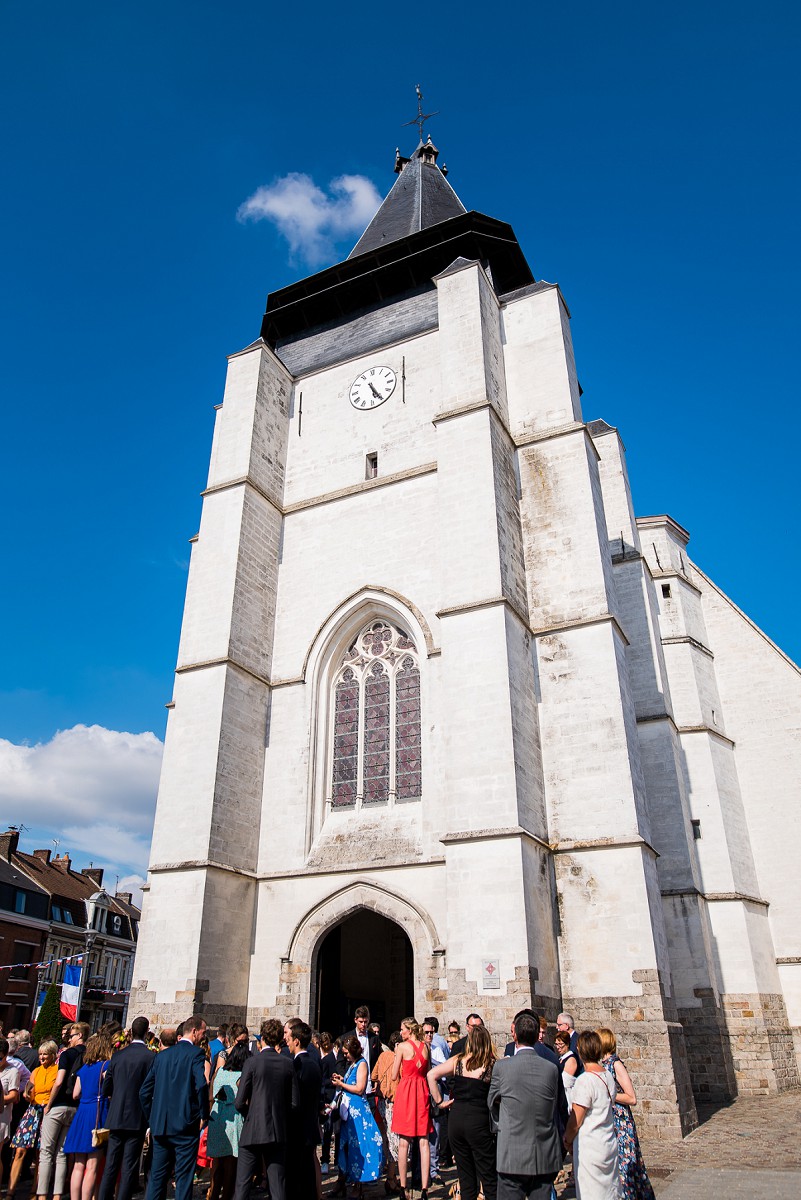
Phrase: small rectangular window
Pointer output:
(23, 955)
(666, 590)
(56, 913)
(371, 466)
(696, 830)
(19, 902)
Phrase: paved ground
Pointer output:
(748, 1150)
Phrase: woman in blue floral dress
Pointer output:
(360, 1142)
(634, 1181)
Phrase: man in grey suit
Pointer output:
(522, 1101)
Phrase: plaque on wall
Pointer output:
(490, 973)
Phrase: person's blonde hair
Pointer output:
(478, 1053)
(608, 1041)
(97, 1049)
(49, 1047)
(414, 1027)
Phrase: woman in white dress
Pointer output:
(590, 1131)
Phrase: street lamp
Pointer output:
(90, 937)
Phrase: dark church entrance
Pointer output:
(368, 960)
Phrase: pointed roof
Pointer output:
(421, 197)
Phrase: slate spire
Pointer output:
(420, 197)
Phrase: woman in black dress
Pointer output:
(469, 1132)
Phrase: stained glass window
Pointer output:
(376, 730)
(376, 735)
(346, 741)
(408, 778)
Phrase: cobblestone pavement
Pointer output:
(749, 1149)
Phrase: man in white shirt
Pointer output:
(9, 1081)
(439, 1054)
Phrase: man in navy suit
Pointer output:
(267, 1096)
(126, 1122)
(304, 1125)
(175, 1099)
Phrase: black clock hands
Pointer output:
(377, 395)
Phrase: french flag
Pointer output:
(70, 989)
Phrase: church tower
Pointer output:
(422, 751)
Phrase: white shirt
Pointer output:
(364, 1042)
(24, 1073)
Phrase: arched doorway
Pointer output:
(366, 959)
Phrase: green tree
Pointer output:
(50, 1022)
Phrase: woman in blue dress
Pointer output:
(360, 1142)
(225, 1123)
(634, 1181)
(88, 1160)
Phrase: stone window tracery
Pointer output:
(376, 723)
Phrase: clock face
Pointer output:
(373, 387)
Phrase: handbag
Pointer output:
(99, 1134)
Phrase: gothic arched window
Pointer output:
(376, 735)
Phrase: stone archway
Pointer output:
(366, 959)
(299, 966)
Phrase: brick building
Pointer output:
(452, 729)
(24, 926)
(79, 915)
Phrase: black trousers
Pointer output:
(524, 1187)
(301, 1176)
(122, 1157)
(473, 1145)
(273, 1155)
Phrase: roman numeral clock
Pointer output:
(373, 387)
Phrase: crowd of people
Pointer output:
(92, 1115)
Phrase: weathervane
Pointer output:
(421, 117)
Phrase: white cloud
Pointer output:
(92, 788)
(311, 220)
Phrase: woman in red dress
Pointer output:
(411, 1116)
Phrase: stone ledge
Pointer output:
(710, 729)
(684, 639)
(357, 489)
(455, 610)
(715, 896)
(226, 661)
(604, 843)
(582, 623)
(484, 835)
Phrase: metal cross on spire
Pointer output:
(421, 117)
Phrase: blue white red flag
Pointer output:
(69, 991)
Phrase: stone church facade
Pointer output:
(452, 729)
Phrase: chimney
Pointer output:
(126, 897)
(42, 855)
(63, 862)
(8, 843)
(95, 873)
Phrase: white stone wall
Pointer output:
(760, 691)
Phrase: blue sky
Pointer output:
(646, 158)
